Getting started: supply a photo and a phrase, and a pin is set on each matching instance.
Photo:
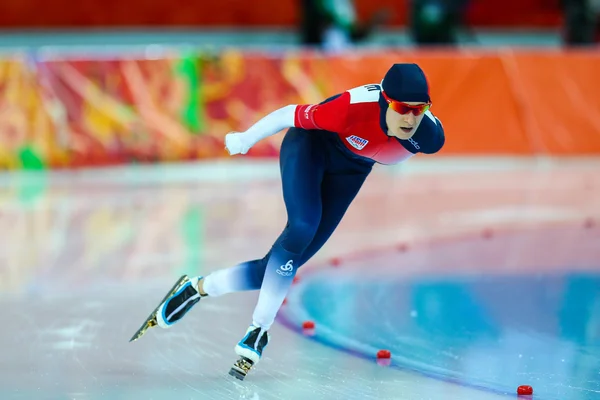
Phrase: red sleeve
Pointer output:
(330, 116)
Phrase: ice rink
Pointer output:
(479, 275)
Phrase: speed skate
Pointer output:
(250, 350)
(151, 321)
(241, 368)
(179, 300)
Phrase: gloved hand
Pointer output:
(235, 143)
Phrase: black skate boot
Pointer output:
(250, 350)
(178, 301)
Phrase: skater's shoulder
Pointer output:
(332, 98)
(359, 95)
(365, 94)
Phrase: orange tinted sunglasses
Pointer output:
(403, 108)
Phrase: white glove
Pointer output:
(235, 143)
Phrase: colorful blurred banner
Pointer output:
(72, 113)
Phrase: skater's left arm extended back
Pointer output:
(330, 116)
(241, 142)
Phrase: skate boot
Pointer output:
(250, 350)
(178, 301)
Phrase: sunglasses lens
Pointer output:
(405, 108)
(424, 108)
(398, 107)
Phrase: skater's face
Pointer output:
(403, 126)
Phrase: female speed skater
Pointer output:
(327, 153)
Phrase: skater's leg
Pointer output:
(302, 168)
(242, 277)
(338, 192)
(245, 276)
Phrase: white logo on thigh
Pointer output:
(287, 269)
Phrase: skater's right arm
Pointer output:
(328, 116)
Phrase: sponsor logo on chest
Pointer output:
(357, 142)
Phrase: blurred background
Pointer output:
(483, 260)
(104, 83)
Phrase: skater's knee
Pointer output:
(257, 271)
(301, 232)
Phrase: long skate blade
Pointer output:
(149, 323)
(241, 368)
(237, 374)
(151, 320)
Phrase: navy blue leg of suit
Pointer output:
(319, 183)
